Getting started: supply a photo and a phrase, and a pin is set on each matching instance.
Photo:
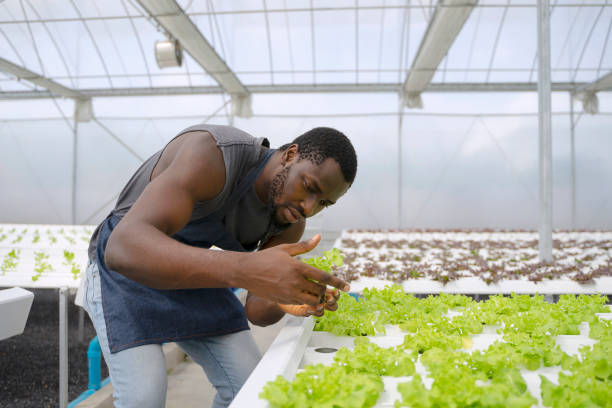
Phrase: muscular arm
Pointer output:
(141, 247)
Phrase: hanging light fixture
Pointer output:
(168, 53)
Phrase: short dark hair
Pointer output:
(321, 143)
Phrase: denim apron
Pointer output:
(136, 314)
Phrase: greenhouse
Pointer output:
(305, 203)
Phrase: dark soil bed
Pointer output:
(29, 363)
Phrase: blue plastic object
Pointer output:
(94, 355)
(355, 295)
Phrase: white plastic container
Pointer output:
(15, 306)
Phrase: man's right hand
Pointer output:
(275, 274)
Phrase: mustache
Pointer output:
(296, 209)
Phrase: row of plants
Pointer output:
(440, 341)
(48, 231)
(10, 262)
(15, 236)
(401, 256)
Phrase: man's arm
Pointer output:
(141, 247)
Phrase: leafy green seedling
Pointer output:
(68, 257)
(10, 261)
(40, 264)
(75, 270)
(330, 258)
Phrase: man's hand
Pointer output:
(275, 275)
(331, 304)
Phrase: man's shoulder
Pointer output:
(227, 135)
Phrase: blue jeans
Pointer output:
(139, 375)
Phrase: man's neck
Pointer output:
(262, 182)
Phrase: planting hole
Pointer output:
(326, 350)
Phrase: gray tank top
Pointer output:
(247, 221)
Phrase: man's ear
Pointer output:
(290, 155)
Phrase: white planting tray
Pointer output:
(475, 285)
(296, 346)
(15, 306)
(52, 240)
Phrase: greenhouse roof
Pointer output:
(90, 48)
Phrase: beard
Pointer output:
(277, 186)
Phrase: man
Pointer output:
(152, 278)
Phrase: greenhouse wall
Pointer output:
(468, 160)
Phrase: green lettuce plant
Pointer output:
(324, 387)
(10, 261)
(40, 264)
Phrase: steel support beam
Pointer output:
(444, 26)
(54, 88)
(400, 204)
(602, 84)
(307, 88)
(572, 161)
(171, 17)
(588, 93)
(544, 132)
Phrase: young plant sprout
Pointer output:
(10, 261)
(40, 264)
(68, 257)
(75, 270)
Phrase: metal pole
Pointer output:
(544, 131)
(75, 138)
(75, 135)
(63, 347)
(573, 160)
(399, 167)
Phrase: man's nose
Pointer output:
(308, 205)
